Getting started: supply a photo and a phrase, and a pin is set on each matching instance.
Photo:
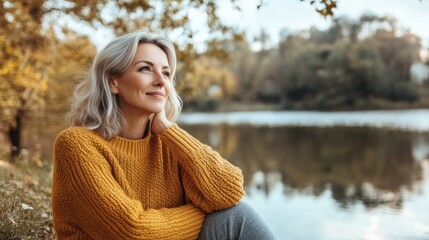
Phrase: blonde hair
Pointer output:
(95, 107)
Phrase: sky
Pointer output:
(294, 15)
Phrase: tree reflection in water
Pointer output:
(358, 164)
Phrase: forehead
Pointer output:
(151, 52)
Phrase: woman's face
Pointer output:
(144, 87)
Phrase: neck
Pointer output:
(135, 127)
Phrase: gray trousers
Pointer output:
(238, 222)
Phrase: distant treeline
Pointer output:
(358, 64)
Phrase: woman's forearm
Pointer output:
(210, 181)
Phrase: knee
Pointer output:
(235, 214)
(242, 207)
(242, 210)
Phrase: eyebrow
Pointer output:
(151, 64)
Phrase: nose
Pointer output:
(159, 80)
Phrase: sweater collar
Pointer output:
(137, 147)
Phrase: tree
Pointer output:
(72, 58)
(399, 52)
(212, 79)
(34, 27)
(23, 66)
(244, 65)
(351, 64)
(324, 7)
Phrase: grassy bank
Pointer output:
(25, 201)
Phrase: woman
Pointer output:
(126, 171)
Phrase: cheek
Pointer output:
(138, 84)
(168, 86)
(132, 81)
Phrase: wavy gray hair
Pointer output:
(95, 107)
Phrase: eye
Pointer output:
(166, 74)
(144, 69)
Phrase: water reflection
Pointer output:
(371, 166)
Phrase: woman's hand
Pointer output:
(160, 123)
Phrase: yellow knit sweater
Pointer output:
(159, 187)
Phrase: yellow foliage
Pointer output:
(211, 78)
(324, 7)
(23, 75)
(72, 58)
(38, 70)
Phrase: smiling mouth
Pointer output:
(157, 95)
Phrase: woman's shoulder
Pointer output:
(77, 133)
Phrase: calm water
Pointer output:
(361, 175)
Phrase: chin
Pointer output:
(155, 109)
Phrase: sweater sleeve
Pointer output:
(100, 207)
(210, 182)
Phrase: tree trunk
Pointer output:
(15, 130)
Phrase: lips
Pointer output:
(159, 95)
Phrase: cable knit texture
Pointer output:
(159, 187)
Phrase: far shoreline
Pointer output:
(220, 107)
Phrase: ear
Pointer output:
(113, 84)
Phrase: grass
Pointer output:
(25, 202)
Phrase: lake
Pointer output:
(328, 175)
